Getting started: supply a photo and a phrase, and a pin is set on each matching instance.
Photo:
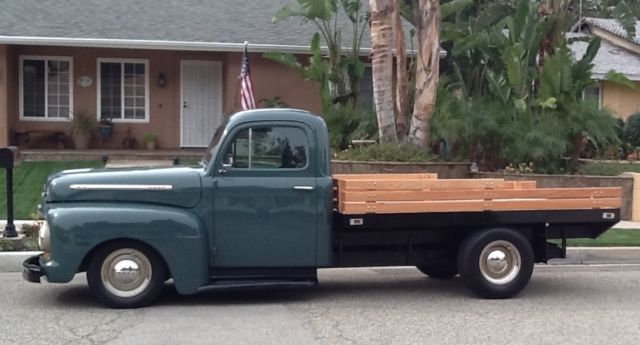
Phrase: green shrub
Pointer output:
(5, 245)
(346, 123)
(632, 130)
(385, 153)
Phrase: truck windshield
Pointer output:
(213, 145)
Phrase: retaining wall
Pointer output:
(559, 181)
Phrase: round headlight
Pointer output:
(44, 237)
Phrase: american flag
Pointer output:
(246, 87)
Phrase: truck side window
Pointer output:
(268, 148)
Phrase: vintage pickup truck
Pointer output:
(264, 211)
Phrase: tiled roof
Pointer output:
(196, 21)
(609, 57)
(614, 27)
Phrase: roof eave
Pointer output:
(165, 45)
(150, 44)
(603, 76)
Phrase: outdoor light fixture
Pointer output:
(162, 79)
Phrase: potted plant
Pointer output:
(106, 127)
(81, 128)
(150, 141)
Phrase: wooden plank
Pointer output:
(478, 205)
(545, 193)
(395, 185)
(377, 177)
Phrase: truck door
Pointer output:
(265, 197)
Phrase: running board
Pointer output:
(257, 285)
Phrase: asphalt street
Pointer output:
(561, 305)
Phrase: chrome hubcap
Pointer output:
(500, 262)
(126, 272)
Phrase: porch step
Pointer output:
(113, 155)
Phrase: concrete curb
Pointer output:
(599, 255)
(12, 261)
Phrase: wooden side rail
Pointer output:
(408, 193)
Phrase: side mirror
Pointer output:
(228, 162)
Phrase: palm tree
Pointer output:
(427, 70)
(382, 67)
(402, 80)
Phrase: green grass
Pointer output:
(611, 238)
(28, 178)
(608, 168)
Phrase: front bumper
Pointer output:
(32, 269)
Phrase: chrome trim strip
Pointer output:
(303, 187)
(121, 187)
(73, 171)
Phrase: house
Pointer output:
(165, 67)
(619, 52)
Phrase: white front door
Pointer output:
(200, 101)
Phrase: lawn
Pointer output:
(28, 178)
(611, 238)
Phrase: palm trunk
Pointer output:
(427, 73)
(382, 68)
(401, 74)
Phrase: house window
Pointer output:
(45, 88)
(268, 148)
(594, 93)
(123, 90)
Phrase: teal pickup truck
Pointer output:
(261, 212)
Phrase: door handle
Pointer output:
(184, 104)
(303, 188)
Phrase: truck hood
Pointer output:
(178, 186)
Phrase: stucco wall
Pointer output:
(622, 100)
(270, 80)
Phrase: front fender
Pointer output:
(176, 234)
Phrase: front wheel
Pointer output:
(126, 275)
(496, 263)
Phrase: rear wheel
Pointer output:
(446, 271)
(496, 263)
(126, 275)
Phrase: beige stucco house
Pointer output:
(619, 52)
(167, 67)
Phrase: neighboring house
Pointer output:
(619, 52)
(167, 67)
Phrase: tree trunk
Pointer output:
(382, 68)
(428, 69)
(401, 73)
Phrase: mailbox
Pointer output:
(9, 157)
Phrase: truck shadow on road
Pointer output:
(368, 288)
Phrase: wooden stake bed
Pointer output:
(417, 193)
